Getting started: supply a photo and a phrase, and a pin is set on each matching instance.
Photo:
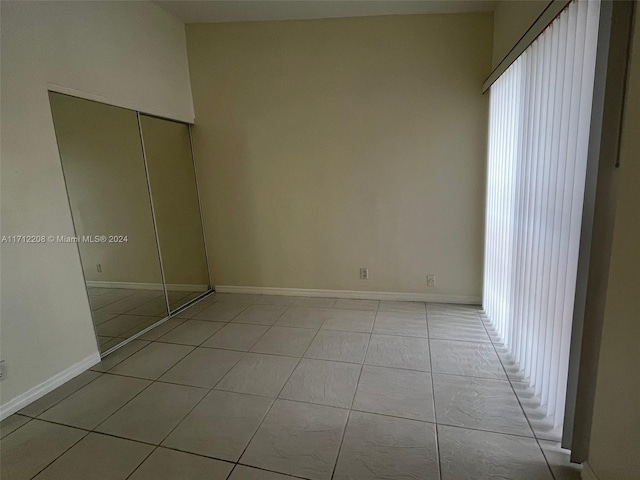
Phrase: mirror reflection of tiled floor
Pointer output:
(272, 387)
(119, 313)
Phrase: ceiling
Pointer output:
(204, 11)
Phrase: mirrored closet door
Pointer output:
(174, 192)
(133, 197)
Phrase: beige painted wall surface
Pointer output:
(128, 53)
(329, 145)
(512, 18)
(615, 434)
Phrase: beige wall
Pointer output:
(126, 53)
(328, 145)
(512, 18)
(615, 434)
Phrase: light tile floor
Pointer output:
(119, 313)
(272, 388)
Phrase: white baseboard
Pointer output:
(587, 473)
(180, 287)
(33, 394)
(310, 292)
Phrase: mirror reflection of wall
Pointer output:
(176, 207)
(108, 186)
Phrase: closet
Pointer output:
(133, 196)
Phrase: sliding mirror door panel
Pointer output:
(174, 193)
(103, 164)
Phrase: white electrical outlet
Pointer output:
(364, 274)
(99, 268)
(431, 280)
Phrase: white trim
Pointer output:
(587, 472)
(33, 394)
(181, 287)
(312, 292)
(74, 92)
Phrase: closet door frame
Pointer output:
(195, 179)
(94, 98)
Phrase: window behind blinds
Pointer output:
(537, 157)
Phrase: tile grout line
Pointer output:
(272, 471)
(149, 342)
(176, 319)
(197, 403)
(241, 351)
(346, 425)
(108, 303)
(433, 396)
(344, 433)
(180, 320)
(262, 469)
(258, 325)
(155, 447)
(209, 390)
(59, 456)
(520, 403)
(127, 312)
(279, 393)
(3, 436)
(233, 469)
(62, 399)
(151, 382)
(244, 352)
(185, 320)
(293, 401)
(125, 335)
(218, 302)
(274, 398)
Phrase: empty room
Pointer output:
(320, 239)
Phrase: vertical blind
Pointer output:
(539, 123)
